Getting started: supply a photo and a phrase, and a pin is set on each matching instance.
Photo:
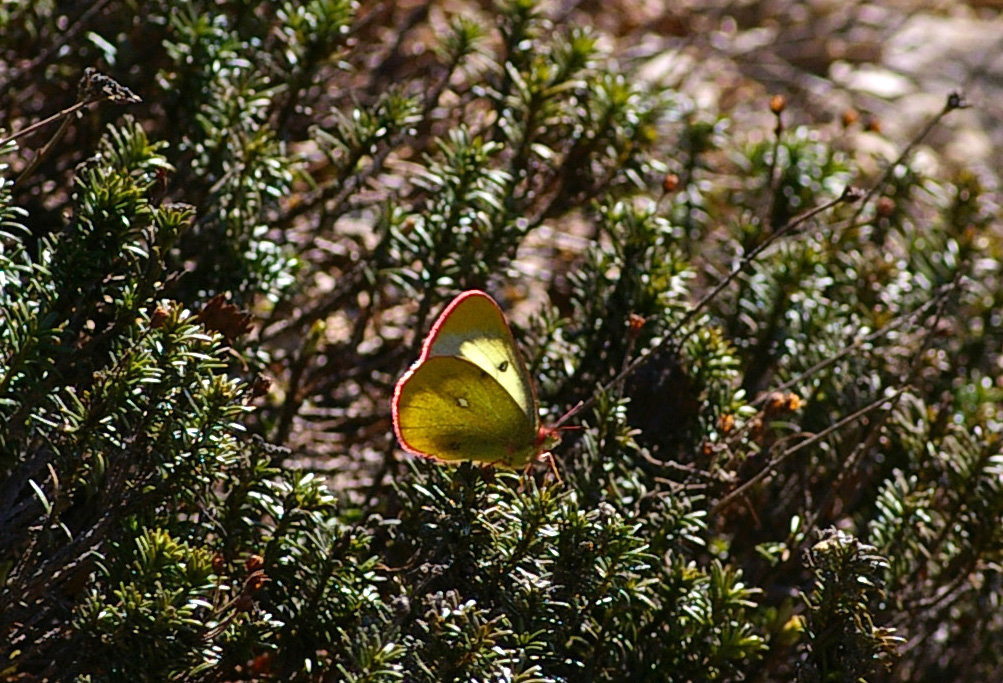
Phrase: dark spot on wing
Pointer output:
(503, 366)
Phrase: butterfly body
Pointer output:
(469, 396)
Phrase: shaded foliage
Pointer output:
(206, 298)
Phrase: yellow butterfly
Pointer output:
(469, 396)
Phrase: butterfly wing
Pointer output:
(473, 327)
(450, 408)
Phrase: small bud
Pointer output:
(262, 664)
(852, 194)
(850, 117)
(777, 104)
(956, 100)
(256, 582)
(781, 403)
(254, 562)
(95, 85)
(670, 183)
(218, 315)
(634, 324)
(774, 403)
(260, 386)
(159, 317)
(408, 226)
(886, 207)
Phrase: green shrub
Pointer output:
(788, 462)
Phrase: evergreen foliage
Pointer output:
(206, 297)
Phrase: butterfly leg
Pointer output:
(549, 457)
